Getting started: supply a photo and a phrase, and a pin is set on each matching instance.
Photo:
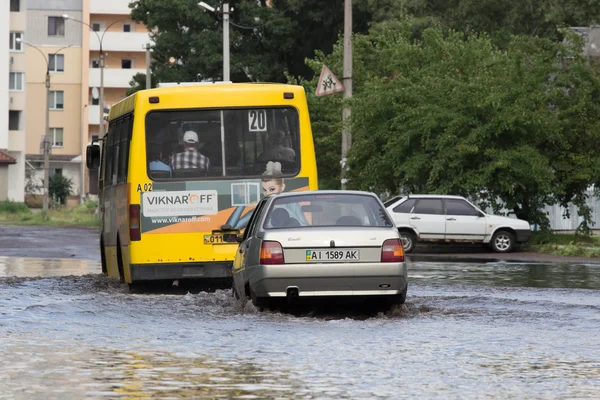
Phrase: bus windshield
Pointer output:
(248, 142)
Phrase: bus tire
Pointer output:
(120, 261)
(103, 257)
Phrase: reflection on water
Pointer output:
(38, 371)
(509, 274)
(36, 267)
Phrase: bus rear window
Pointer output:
(193, 144)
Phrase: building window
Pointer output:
(15, 81)
(56, 100)
(96, 27)
(55, 171)
(13, 44)
(126, 27)
(57, 137)
(126, 64)
(14, 119)
(57, 62)
(56, 26)
(95, 64)
(15, 5)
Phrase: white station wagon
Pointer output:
(441, 218)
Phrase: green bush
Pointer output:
(13, 207)
(91, 205)
(60, 188)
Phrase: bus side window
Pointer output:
(124, 129)
(109, 137)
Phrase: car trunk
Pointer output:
(331, 245)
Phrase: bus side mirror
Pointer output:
(92, 156)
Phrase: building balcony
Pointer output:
(18, 20)
(93, 116)
(113, 77)
(16, 101)
(120, 41)
(16, 141)
(109, 7)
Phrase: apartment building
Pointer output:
(54, 43)
(123, 43)
(12, 100)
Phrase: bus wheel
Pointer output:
(120, 261)
(103, 257)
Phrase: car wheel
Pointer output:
(259, 302)
(399, 299)
(408, 241)
(503, 242)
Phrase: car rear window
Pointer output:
(326, 210)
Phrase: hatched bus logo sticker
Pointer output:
(175, 204)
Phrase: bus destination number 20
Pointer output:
(146, 187)
(257, 120)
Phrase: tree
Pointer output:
(454, 114)
(500, 19)
(138, 82)
(266, 42)
(60, 188)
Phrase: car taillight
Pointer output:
(392, 251)
(134, 222)
(271, 253)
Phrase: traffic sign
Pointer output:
(328, 83)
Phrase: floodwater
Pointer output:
(472, 331)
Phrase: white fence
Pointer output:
(560, 223)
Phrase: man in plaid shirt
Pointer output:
(190, 157)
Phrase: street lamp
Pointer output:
(47, 142)
(102, 62)
(226, 11)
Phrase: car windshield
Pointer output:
(326, 210)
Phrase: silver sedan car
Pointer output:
(319, 244)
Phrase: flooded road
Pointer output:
(467, 331)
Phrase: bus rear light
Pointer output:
(134, 222)
(271, 252)
(392, 251)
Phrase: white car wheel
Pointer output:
(503, 242)
(408, 241)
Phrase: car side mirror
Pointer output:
(92, 156)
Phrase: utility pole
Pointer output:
(47, 142)
(101, 99)
(148, 80)
(226, 42)
(347, 81)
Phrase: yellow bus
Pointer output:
(182, 167)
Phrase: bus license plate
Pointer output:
(333, 255)
(214, 239)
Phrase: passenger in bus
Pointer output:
(190, 157)
(275, 149)
(157, 165)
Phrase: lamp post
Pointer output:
(226, 11)
(101, 65)
(47, 142)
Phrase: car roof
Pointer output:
(425, 196)
(324, 192)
